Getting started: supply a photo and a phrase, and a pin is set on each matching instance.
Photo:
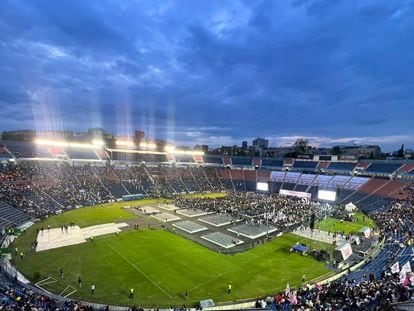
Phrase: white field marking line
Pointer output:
(46, 281)
(68, 287)
(227, 272)
(139, 270)
(42, 288)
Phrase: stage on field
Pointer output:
(166, 217)
(193, 212)
(221, 239)
(218, 220)
(252, 231)
(189, 226)
(168, 207)
(148, 210)
(71, 235)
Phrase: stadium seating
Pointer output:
(272, 163)
(288, 186)
(274, 186)
(26, 150)
(277, 176)
(355, 182)
(241, 161)
(184, 158)
(213, 159)
(3, 153)
(81, 154)
(263, 175)
(305, 165)
(11, 217)
(338, 181)
(306, 179)
(373, 185)
(322, 181)
(382, 168)
(406, 168)
(341, 166)
(292, 177)
(301, 188)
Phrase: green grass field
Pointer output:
(334, 225)
(160, 265)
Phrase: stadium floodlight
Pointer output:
(189, 152)
(145, 145)
(64, 144)
(98, 142)
(170, 149)
(125, 143)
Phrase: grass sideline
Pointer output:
(160, 265)
(333, 225)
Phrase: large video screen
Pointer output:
(327, 195)
(262, 186)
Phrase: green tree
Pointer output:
(301, 146)
(336, 150)
(400, 152)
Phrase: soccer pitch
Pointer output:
(160, 265)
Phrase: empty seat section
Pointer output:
(355, 183)
(184, 158)
(213, 159)
(272, 163)
(306, 179)
(292, 177)
(241, 161)
(322, 181)
(391, 189)
(81, 154)
(277, 176)
(338, 181)
(373, 185)
(341, 166)
(274, 186)
(263, 175)
(383, 168)
(311, 165)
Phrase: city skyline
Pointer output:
(216, 74)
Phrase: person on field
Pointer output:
(61, 273)
(131, 293)
(80, 282)
(93, 288)
(229, 288)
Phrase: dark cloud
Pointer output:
(210, 72)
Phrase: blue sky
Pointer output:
(214, 72)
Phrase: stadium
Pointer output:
(180, 227)
(206, 155)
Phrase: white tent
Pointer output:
(350, 207)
